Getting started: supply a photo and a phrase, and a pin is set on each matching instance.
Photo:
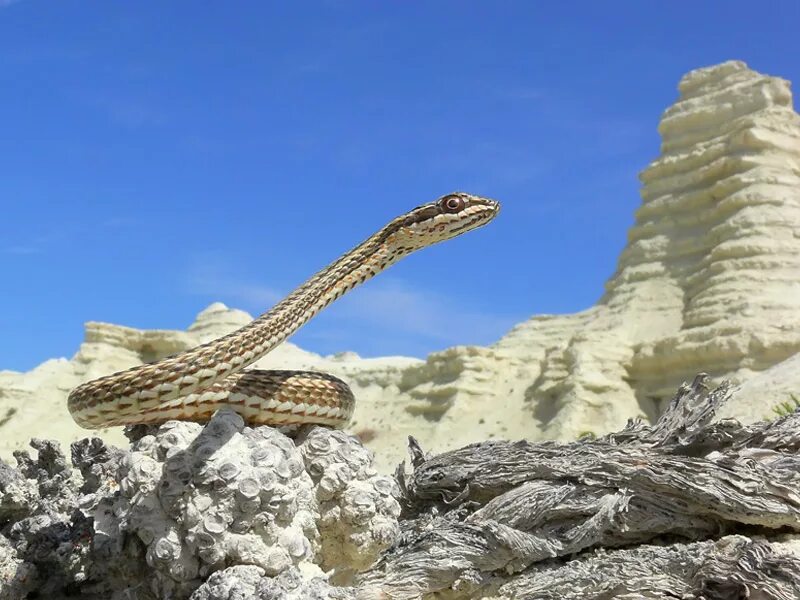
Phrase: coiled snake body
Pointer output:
(193, 384)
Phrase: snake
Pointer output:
(192, 385)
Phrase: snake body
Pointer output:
(193, 384)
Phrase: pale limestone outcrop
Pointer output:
(766, 393)
(709, 281)
(33, 404)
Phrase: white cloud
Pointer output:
(391, 307)
(386, 316)
(214, 280)
(389, 316)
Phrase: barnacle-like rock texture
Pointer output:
(200, 498)
(245, 581)
(358, 508)
(188, 503)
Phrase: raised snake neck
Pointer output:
(193, 384)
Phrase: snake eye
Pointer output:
(453, 204)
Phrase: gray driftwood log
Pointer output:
(686, 508)
(505, 517)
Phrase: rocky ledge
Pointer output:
(684, 508)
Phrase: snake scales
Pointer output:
(193, 384)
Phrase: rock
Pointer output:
(766, 393)
(710, 277)
(216, 320)
(188, 501)
(693, 506)
(244, 581)
(709, 281)
(34, 403)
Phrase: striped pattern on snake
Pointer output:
(193, 384)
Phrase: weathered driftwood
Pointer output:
(733, 567)
(476, 515)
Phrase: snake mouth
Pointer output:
(488, 211)
(477, 221)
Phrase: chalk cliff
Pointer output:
(709, 281)
(710, 277)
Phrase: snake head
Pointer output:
(445, 218)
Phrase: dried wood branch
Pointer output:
(479, 513)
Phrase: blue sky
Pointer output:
(158, 156)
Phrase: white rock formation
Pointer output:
(710, 277)
(33, 404)
(709, 281)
